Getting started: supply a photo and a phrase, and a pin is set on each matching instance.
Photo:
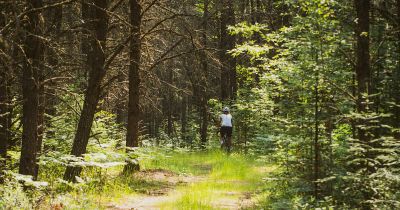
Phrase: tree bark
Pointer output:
(396, 79)
(204, 79)
(227, 42)
(169, 102)
(363, 72)
(4, 105)
(4, 137)
(363, 78)
(184, 119)
(95, 61)
(316, 131)
(132, 135)
(33, 48)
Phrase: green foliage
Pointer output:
(21, 192)
(281, 75)
(12, 196)
(105, 133)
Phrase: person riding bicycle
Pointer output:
(226, 129)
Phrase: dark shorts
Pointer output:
(226, 131)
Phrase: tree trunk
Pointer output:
(329, 127)
(363, 72)
(227, 42)
(203, 79)
(4, 100)
(4, 106)
(170, 102)
(396, 79)
(95, 62)
(132, 135)
(363, 78)
(33, 48)
(316, 132)
(184, 120)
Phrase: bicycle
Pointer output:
(225, 143)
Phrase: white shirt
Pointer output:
(226, 120)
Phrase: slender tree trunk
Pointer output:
(169, 118)
(316, 132)
(169, 103)
(203, 79)
(184, 120)
(329, 130)
(95, 62)
(132, 135)
(157, 124)
(3, 117)
(354, 94)
(396, 79)
(4, 106)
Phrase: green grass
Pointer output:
(183, 162)
(218, 178)
(227, 177)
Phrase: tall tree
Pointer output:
(204, 78)
(96, 24)
(32, 66)
(132, 134)
(396, 78)
(4, 103)
(362, 69)
(227, 42)
(3, 116)
(363, 78)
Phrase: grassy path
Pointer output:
(182, 180)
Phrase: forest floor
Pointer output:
(183, 180)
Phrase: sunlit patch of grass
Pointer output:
(230, 176)
(194, 196)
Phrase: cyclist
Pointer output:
(226, 129)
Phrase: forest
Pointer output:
(117, 104)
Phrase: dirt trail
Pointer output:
(152, 199)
